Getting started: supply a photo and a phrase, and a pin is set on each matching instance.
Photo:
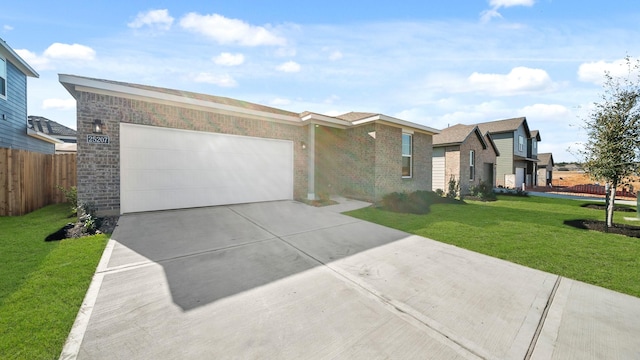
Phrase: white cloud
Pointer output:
(229, 59)
(289, 66)
(59, 104)
(7, 27)
(336, 55)
(37, 62)
(510, 3)
(159, 19)
(517, 81)
(69, 52)
(224, 80)
(230, 31)
(547, 112)
(594, 71)
(280, 102)
(487, 15)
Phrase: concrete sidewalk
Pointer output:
(283, 280)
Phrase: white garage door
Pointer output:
(164, 168)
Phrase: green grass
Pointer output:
(529, 231)
(42, 283)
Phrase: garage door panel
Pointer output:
(168, 169)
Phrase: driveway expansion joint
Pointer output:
(543, 317)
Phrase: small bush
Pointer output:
(417, 202)
(454, 188)
(71, 195)
(483, 191)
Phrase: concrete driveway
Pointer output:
(283, 280)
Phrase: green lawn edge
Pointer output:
(44, 296)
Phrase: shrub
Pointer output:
(417, 202)
(483, 191)
(71, 195)
(454, 188)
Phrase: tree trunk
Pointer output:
(611, 199)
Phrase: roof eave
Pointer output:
(16, 60)
(396, 121)
(42, 136)
(324, 120)
(73, 84)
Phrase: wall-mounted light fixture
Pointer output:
(303, 144)
(97, 126)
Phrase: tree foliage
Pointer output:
(613, 130)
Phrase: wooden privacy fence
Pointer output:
(29, 180)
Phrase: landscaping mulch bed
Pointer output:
(598, 225)
(105, 225)
(602, 207)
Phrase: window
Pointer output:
(472, 164)
(406, 155)
(520, 143)
(3, 78)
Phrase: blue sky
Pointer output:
(433, 63)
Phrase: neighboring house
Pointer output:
(518, 147)
(462, 152)
(66, 135)
(545, 169)
(144, 148)
(13, 105)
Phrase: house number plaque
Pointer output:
(98, 139)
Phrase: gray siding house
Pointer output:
(518, 147)
(14, 133)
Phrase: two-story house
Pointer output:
(14, 133)
(518, 147)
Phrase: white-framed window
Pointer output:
(520, 143)
(407, 155)
(3, 78)
(472, 164)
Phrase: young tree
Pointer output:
(613, 130)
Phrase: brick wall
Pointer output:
(353, 163)
(482, 156)
(452, 165)
(99, 164)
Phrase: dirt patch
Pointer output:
(597, 225)
(602, 207)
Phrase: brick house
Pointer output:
(14, 133)
(464, 153)
(545, 169)
(144, 148)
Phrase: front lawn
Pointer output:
(42, 283)
(529, 231)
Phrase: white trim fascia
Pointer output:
(103, 88)
(19, 62)
(397, 122)
(42, 136)
(325, 120)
